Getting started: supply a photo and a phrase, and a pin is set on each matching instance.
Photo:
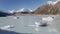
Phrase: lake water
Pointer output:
(21, 24)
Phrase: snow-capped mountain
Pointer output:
(11, 11)
(24, 10)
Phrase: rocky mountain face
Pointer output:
(49, 9)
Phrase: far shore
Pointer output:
(35, 14)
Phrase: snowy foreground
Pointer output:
(31, 24)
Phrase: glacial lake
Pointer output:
(21, 24)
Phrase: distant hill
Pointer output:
(4, 14)
(49, 8)
(22, 11)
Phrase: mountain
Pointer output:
(11, 11)
(51, 2)
(22, 11)
(4, 14)
(49, 8)
(43, 9)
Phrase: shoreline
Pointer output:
(34, 15)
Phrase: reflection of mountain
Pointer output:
(49, 8)
(4, 14)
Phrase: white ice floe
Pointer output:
(16, 17)
(47, 19)
(7, 27)
(37, 24)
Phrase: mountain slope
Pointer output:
(43, 9)
(49, 9)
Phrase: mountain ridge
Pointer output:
(48, 9)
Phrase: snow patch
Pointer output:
(52, 2)
(11, 11)
(24, 10)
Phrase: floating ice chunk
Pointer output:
(37, 23)
(7, 27)
(47, 19)
(16, 17)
